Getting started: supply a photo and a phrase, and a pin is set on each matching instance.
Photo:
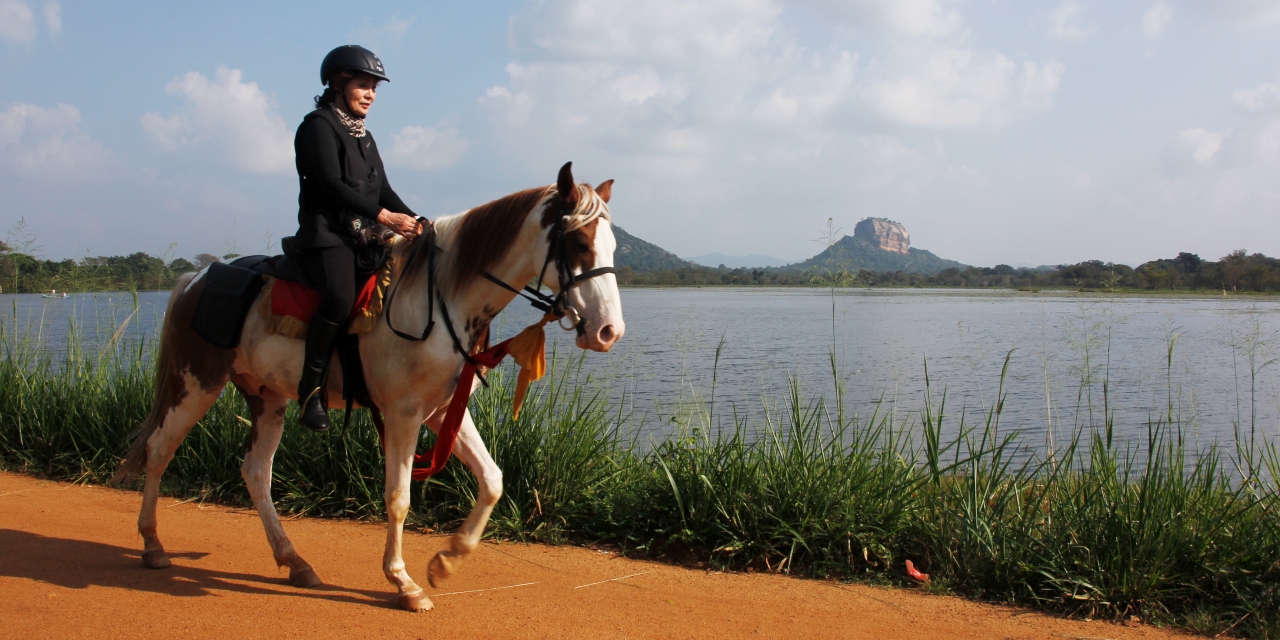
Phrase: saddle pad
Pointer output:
(225, 301)
(287, 306)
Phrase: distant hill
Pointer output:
(849, 253)
(852, 253)
(642, 256)
(737, 262)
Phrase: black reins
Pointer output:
(428, 240)
(556, 305)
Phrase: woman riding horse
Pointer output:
(343, 193)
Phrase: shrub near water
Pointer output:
(1093, 530)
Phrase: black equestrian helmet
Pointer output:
(351, 57)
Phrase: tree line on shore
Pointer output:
(24, 273)
(1237, 271)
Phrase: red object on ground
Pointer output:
(299, 301)
(916, 575)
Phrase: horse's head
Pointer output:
(588, 245)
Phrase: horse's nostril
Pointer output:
(606, 334)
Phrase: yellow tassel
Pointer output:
(529, 349)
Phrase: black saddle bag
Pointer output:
(229, 292)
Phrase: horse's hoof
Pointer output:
(415, 602)
(441, 568)
(156, 559)
(305, 578)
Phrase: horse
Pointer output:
(510, 241)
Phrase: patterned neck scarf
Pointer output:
(354, 125)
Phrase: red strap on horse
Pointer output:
(528, 349)
(443, 448)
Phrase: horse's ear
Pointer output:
(564, 184)
(605, 190)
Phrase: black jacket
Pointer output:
(342, 183)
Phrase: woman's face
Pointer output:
(360, 92)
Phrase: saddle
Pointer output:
(286, 307)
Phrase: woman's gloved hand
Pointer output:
(400, 223)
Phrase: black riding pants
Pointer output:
(333, 270)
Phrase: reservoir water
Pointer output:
(1208, 361)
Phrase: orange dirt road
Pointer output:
(70, 568)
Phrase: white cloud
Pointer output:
(662, 32)
(388, 33)
(1257, 142)
(53, 17)
(1194, 147)
(961, 88)
(41, 140)
(17, 23)
(1251, 147)
(234, 119)
(1262, 12)
(1156, 19)
(1261, 98)
(915, 18)
(426, 148)
(715, 104)
(632, 73)
(1079, 179)
(1245, 13)
(1064, 22)
(920, 17)
(1268, 142)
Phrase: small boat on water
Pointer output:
(54, 294)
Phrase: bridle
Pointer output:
(556, 305)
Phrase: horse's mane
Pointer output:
(485, 234)
(477, 239)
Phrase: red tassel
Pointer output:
(916, 575)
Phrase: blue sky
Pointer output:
(996, 131)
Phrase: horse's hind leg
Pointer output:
(266, 408)
(469, 448)
(178, 417)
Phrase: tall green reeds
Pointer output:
(1147, 530)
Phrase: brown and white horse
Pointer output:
(411, 382)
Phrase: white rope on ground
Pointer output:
(457, 593)
(536, 564)
(612, 580)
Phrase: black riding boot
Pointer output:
(315, 369)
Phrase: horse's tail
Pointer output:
(168, 385)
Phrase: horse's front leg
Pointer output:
(401, 440)
(471, 450)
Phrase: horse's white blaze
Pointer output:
(598, 299)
